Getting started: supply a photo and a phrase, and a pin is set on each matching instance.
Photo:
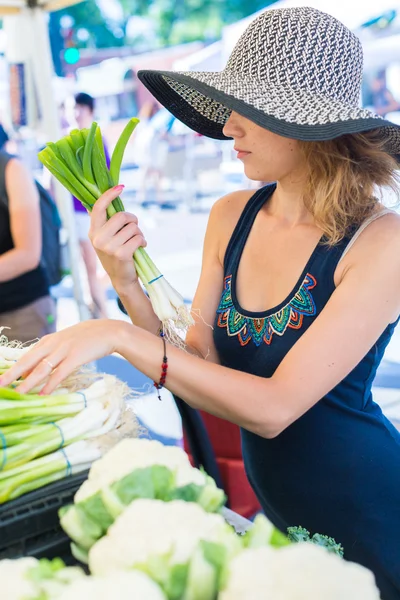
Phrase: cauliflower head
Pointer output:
(299, 572)
(32, 579)
(133, 469)
(134, 453)
(128, 585)
(180, 545)
(15, 583)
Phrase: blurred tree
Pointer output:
(180, 21)
(102, 32)
(56, 43)
(173, 22)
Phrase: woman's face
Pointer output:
(266, 156)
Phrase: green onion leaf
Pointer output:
(87, 154)
(70, 160)
(99, 167)
(64, 176)
(117, 155)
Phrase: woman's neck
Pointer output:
(286, 204)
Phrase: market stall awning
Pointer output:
(352, 14)
(10, 7)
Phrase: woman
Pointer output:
(301, 280)
(26, 307)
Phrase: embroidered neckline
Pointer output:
(262, 329)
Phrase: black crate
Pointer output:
(29, 525)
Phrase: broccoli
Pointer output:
(299, 534)
(327, 542)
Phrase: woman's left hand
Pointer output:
(57, 355)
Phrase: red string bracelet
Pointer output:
(164, 369)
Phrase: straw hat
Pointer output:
(295, 71)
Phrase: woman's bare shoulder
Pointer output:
(378, 242)
(231, 205)
(382, 233)
(224, 216)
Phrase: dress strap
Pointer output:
(244, 225)
(371, 219)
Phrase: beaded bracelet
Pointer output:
(164, 369)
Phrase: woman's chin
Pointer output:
(257, 174)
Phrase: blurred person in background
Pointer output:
(7, 143)
(383, 100)
(152, 141)
(84, 116)
(26, 306)
(64, 123)
(4, 139)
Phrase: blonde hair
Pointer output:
(343, 175)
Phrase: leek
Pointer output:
(33, 408)
(39, 472)
(100, 417)
(78, 162)
(37, 430)
(32, 425)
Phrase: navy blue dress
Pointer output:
(336, 470)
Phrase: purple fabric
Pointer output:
(77, 205)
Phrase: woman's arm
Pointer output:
(199, 340)
(366, 300)
(364, 303)
(25, 223)
(115, 240)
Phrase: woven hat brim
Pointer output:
(204, 101)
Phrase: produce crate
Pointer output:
(29, 525)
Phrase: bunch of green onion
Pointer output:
(78, 162)
(45, 438)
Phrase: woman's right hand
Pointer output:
(115, 240)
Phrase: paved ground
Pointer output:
(175, 240)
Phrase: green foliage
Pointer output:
(328, 543)
(175, 21)
(180, 21)
(88, 15)
(299, 534)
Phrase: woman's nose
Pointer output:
(232, 127)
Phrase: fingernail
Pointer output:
(119, 188)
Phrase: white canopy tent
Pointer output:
(25, 24)
(352, 14)
(382, 51)
(215, 56)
